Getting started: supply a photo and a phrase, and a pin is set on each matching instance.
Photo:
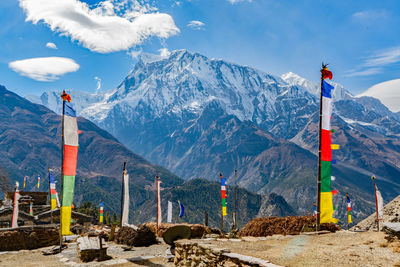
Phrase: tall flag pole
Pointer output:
(31, 208)
(159, 216)
(52, 183)
(236, 206)
(315, 212)
(38, 181)
(223, 200)
(348, 209)
(379, 203)
(181, 209)
(325, 203)
(169, 212)
(101, 212)
(14, 222)
(70, 146)
(125, 194)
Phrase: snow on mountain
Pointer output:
(339, 93)
(387, 92)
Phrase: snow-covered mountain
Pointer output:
(199, 116)
(387, 92)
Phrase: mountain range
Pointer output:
(197, 116)
(30, 142)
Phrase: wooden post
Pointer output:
(205, 218)
(62, 171)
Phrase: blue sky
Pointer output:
(360, 41)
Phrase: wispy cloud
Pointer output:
(237, 1)
(384, 57)
(196, 24)
(375, 63)
(44, 69)
(98, 83)
(369, 15)
(106, 28)
(51, 45)
(364, 72)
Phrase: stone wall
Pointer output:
(192, 253)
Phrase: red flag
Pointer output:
(65, 96)
(326, 73)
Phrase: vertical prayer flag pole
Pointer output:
(379, 203)
(325, 204)
(24, 182)
(14, 222)
(122, 194)
(223, 200)
(236, 206)
(348, 210)
(159, 216)
(69, 155)
(31, 208)
(52, 187)
(101, 212)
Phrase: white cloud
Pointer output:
(365, 72)
(135, 53)
(384, 57)
(369, 15)
(98, 83)
(196, 24)
(107, 28)
(51, 45)
(375, 63)
(237, 1)
(164, 52)
(44, 69)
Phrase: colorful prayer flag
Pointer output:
(223, 195)
(24, 182)
(38, 181)
(348, 209)
(101, 212)
(31, 208)
(325, 171)
(70, 153)
(53, 200)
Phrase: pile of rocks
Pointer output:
(28, 237)
(191, 253)
(143, 236)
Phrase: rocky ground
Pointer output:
(391, 214)
(343, 248)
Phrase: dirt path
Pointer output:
(336, 249)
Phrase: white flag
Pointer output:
(125, 210)
(169, 215)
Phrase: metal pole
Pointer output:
(319, 156)
(236, 206)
